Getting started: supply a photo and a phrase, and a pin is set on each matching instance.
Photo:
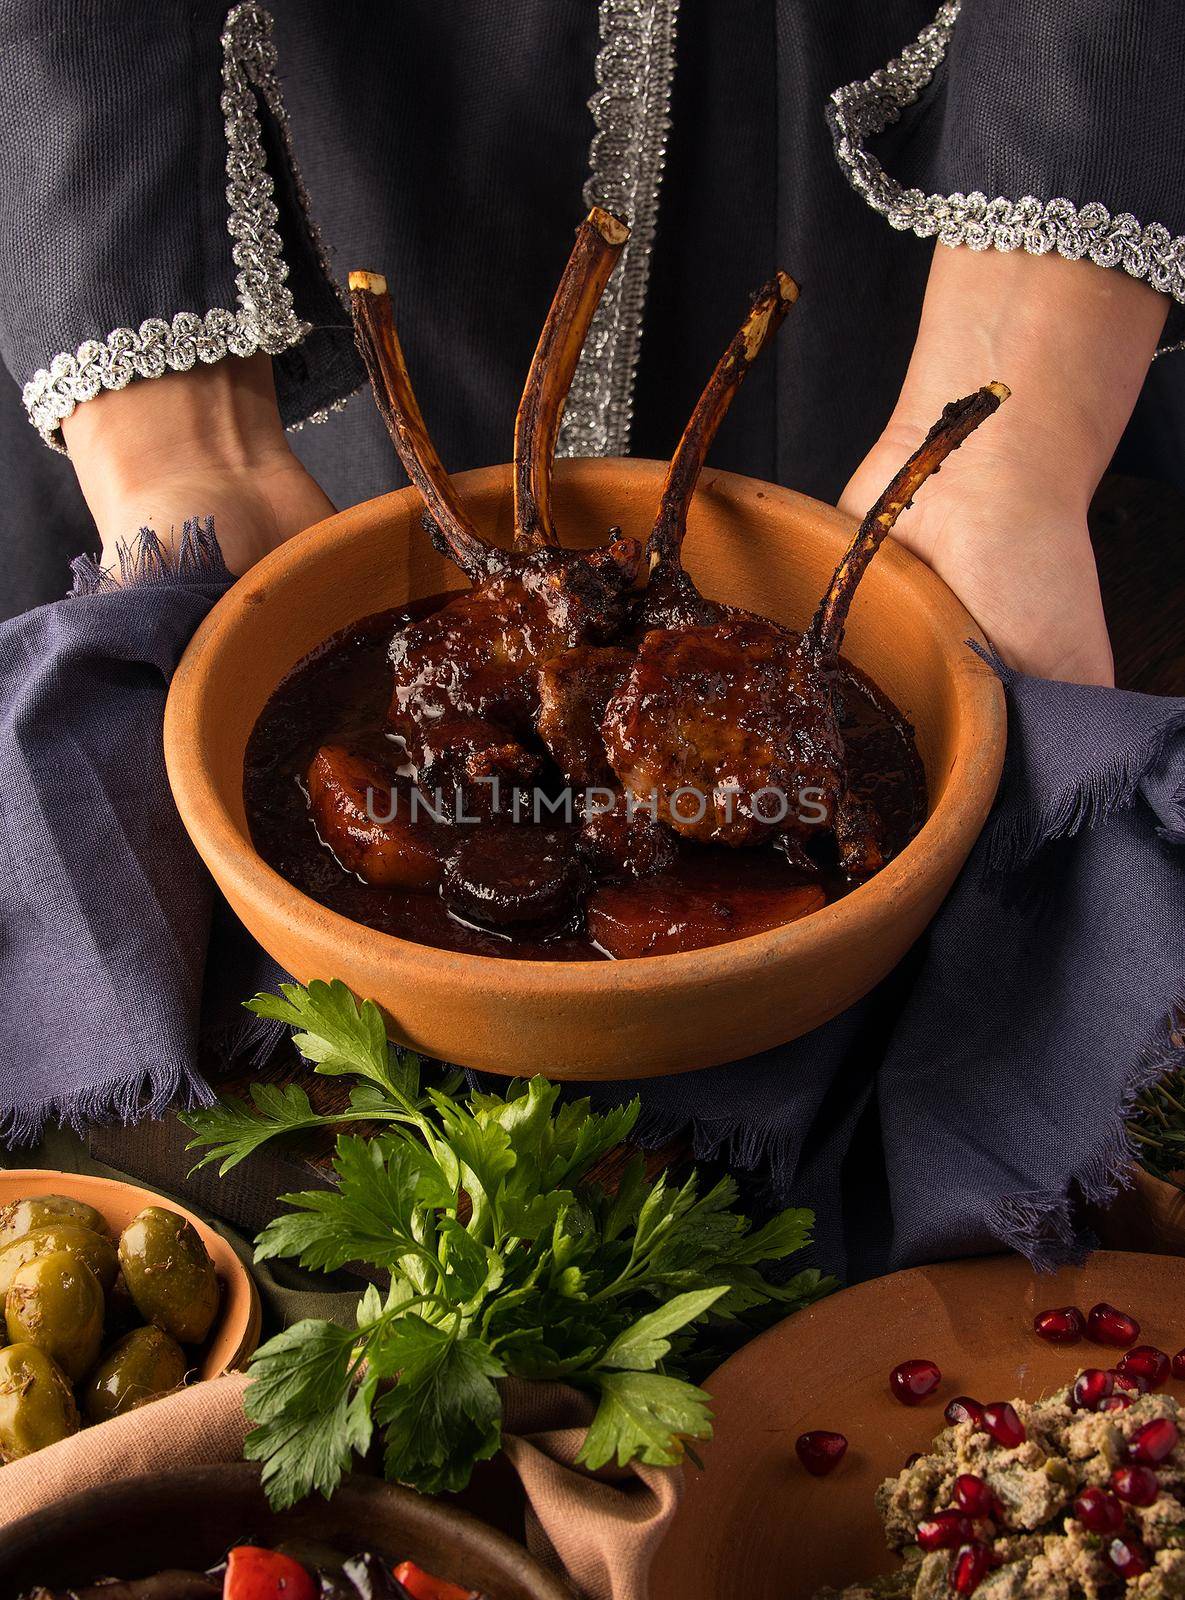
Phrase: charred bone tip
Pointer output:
(367, 283)
(610, 227)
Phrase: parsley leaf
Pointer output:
(642, 1346)
(498, 1258)
(643, 1416)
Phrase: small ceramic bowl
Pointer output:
(750, 544)
(236, 1331)
(188, 1519)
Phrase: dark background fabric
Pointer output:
(447, 146)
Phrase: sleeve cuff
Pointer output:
(265, 317)
(860, 111)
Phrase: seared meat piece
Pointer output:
(465, 684)
(515, 879)
(727, 719)
(703, 726)
(366, 815)
(574, 690)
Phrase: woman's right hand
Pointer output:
(208, 442)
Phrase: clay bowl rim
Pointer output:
(484, 1545)
(227, 850)
(21, 1183)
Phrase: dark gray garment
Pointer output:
(447, 146)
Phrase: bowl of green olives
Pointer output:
(110, 1297)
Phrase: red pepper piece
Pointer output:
(256, 1574)
(422, 1585)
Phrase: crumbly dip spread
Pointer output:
(1037, 1543)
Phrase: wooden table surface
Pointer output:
(1138, 529)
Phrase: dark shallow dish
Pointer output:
(188, 1518)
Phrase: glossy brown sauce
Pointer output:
(340, 694)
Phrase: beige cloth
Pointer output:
(600, 1532)
(196, 1427)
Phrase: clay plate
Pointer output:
(754, 1523)
(749, 543)
(189, 1517)
(236, 1332)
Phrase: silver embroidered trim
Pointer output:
(861, 110)
(631, 108)
(265, 318)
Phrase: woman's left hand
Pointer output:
(1016, 553)
(1005, 523)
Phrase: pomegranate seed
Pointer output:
(1129, 1383)
(1106, 1324)
(1001, 1421)
(1099, 1511)
(1139, 1486)
(1179, 1364)
(1147, 1362)
(974, 1497)
(1127, 1557)
(1064, 1325)
(946, 1530)
(970, 1567)
(963, 1409)
(1090, 1386)
(914, 1381)
(1114, 1402)
(820, 1452)
(1153, 1443)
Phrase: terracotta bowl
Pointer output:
(751, 544)
(188, 1518)
(236, 1332)
(751, 1521)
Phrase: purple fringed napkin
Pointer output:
(105, 910)
(980, 1095)
(973, 1100)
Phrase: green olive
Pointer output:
(169, 1274)
(36, 1403)
(40, 1210)
(95, 1249)
(144, 1365)
(55, 1303)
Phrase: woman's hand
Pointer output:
(208, 442)
(1005, 523)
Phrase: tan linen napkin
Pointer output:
(600, 1532)
(196, 1427)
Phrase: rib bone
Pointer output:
(378, 343)
(958, 421)
(765, 317)
(600, 239)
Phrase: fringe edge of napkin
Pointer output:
(1041, 1225)
(145, 561)
(149, 1094)
(1015, 839)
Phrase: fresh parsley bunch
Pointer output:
(499, 1259)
